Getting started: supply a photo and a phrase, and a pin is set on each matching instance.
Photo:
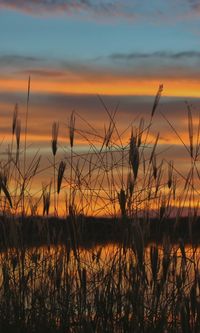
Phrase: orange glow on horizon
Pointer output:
(111, 86)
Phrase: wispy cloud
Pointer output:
(158, 54)
(116, 74)
(130, 9)
(194, 4)
(156, 11)
(18, 60)
(116, 66)
(104, 7)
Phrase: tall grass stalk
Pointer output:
(54, 146)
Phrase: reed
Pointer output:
(127, 287)
(61, 171)
(128, 290)
(54, 146)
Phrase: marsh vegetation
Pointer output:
(58, 283)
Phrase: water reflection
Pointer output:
(104, 287)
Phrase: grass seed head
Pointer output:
(140, 132)
(157, 99)
(61, 171)
(72, 129)
(46, 195)
(122, 202)
(55, 128)
(18, 132)
(15, 115)
(170, 174)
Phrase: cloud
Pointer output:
(18, 60)
(117, 65)
(194, 4)
(103, 7)
(153, 55)
(156, 11)
(44, 72)
(123, 74)
(131, 109)
(89, 68)
(166, 64)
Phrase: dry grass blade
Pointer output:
(4, 188)
(182, 248)
(159, 174)
(18, 134)
(157, 99)
(154, 257)
(55, 129)
(134, 155)
(29, 88)
(130, 184)
(138, 243)
(154, 148)
(108, 133)
(198, 136)
(162, 206)
(26, 121)
(190, 129)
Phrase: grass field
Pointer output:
(56, 272)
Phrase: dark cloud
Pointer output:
(43, 72)
(67, 6)
(194, 4)
(107, 9)
(159, 54)
(14, 60)
(118, 66)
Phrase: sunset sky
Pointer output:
(77, 49)
(122, 50)
(108, 47)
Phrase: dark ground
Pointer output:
(89, 231)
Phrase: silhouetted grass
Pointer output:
(61, 273)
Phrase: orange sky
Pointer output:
(111, 86)
(44, 110)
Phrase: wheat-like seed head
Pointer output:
(157, 99)
(140, 132)
(154, 165)
(61, 171)
(15, 115)
(18, 132)
(55, 128)
(46, 195)
(122, 201)
(72, 129)
(170, 174)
